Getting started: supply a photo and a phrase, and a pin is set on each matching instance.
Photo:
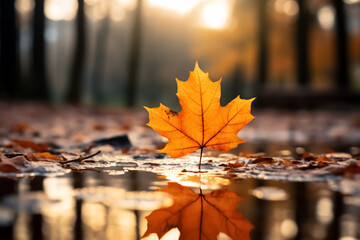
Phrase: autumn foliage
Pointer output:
(202, 122)
(199, 216)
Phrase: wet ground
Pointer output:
(298, 177)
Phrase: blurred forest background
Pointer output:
(289, 53)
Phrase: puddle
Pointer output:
(99, 205)
(293, 194)
(111, 194)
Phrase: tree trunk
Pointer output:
(100, 55)
(9, 54)
(134, 57)
(74, 94)
(263, 28)
(39, 79)
(342, 74)
(302, 44)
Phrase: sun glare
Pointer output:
(129, 4)
(61, 9)
(179, 6)
(215, 14)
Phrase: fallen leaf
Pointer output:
(98, 126)
(232, 166)
(199, 216)
(313, 165)
(44, 156)
(251, 155)
(20, 127)
(323, 158)
(263, 160)
(308, 156)
(202, 122)
(31, 157)
(13, 165)
(286, 162)
(154, 164)
(47, 155)
(9, 168)
(30, 144)
(350, 169)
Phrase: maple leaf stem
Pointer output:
(201, 152)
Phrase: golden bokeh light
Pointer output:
(288, 7)
(126, 4)
(97, 10)
(291, 8)
(61, 9)
(24, 6)
(178, 6)
(215, 14)
(94, 215)
(117, 13)
(326, 17)
(288, 228)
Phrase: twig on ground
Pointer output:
(81, 158)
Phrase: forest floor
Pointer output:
(53, 156)
(38, 139)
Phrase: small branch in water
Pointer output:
(81, 158)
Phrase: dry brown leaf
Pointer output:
(264, 160)
(308, 156)
(323, 158)
(9, 168)
(232, 166)
(286, 162)
(350, 169)
(20, 127)
(13, 165)
(30, 144)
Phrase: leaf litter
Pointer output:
(59, 140)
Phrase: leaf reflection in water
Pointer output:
(199, 215)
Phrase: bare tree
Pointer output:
(39, 78)
(99, 60)
(9, 54)
(263, 28)
(342, 76)
(302, 44)
(78, 62)
(134, 57)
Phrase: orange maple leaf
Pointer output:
(202, 122)
(199, 216)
